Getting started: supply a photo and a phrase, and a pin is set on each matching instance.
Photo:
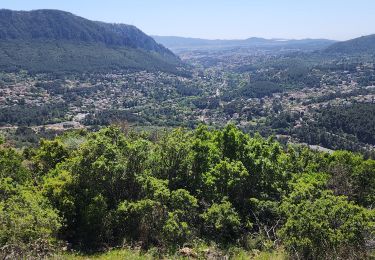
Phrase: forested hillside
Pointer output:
(361, 45)
(170, 189)
(331, 125)
(58, 41)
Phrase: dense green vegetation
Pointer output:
(341, 127)
(77, 57)
(361, 45)
(355, 119)
(181, 192)
(56, 41)
(60, 25)
(24, 115)
(106, 189)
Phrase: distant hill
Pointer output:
(52, 40)
(181, 43)
(361, 45)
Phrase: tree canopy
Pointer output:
(167, 190)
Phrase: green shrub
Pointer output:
(26, 219)
(321, 225)
(222, 222)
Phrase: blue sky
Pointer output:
(225, 19)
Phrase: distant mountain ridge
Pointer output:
(361, 45)
(179, 43)
(60, 35)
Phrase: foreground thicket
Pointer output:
(106, 189)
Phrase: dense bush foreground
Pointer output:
(107, 189)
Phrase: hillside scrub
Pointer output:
(168, 191)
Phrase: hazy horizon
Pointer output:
(239, 39)
(224, 20)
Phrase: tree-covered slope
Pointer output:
(361, 45)
(51, 40)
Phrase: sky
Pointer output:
(225, 19)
